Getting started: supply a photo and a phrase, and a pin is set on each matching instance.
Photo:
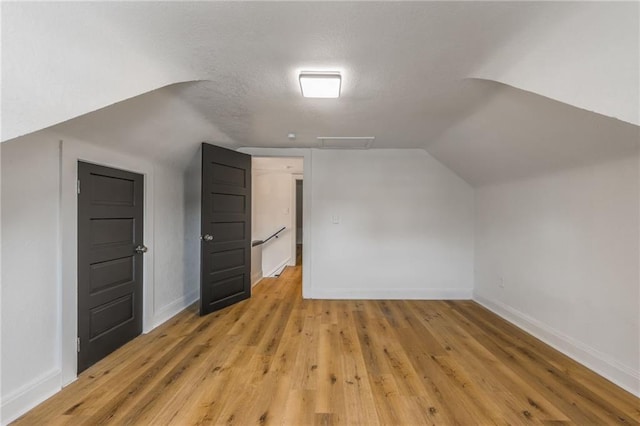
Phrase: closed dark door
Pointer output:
(226, 228)
(110, 249)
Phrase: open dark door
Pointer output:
(110, 249)
(226, 228)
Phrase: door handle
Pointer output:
(141, 249)
(207, 237)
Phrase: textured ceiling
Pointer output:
(408, 72)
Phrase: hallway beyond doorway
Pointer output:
(276, 191)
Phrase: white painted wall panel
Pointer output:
(405, 226)
(192, 213)
(558, 255)
(30, 263)
(170, 221)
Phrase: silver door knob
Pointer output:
(207, 237)
(141, 249)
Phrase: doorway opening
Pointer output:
(277, 216)
(299, 220)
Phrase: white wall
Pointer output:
(192, 215)
(30, 272)
(38, 278)
(405, 226)
(558, 255)
(177, 282)
(272, 201)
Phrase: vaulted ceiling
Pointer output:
(471, 82)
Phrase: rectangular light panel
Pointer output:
(320, 85)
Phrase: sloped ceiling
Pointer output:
(406, 75)
(160, 125)
(517, 134)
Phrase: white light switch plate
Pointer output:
(335, 219)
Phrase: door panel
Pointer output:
(228, 231)
(110, 232)
(111, 273)
(228, 259)
(110, 226)
(226, 216)
(110, 190)
(110, 315)
(228, 203)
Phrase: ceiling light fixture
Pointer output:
(324, 84)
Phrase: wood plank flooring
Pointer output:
(278, 359)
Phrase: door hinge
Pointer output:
(78, 186)
(78, 344)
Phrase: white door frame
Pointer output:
(72, 152)
(306, 154)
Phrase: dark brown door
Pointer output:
(110, 248)
(226, 228)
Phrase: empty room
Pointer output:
(320, 213)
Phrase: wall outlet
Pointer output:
(335, 219)
(501, 281)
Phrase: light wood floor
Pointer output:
(278, 359)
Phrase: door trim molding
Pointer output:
(306, 154)
(72, 152)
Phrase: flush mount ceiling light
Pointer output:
(324, 84)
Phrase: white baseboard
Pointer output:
(395, 294)
(172, 309)
(622, 375)
(31, 394)
(278, 268)
(255, 278)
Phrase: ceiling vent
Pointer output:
(346, 142)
